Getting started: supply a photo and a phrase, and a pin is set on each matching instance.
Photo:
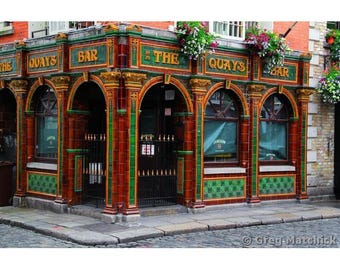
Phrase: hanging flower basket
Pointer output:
(195, 39)
(329, 86)
(267, 45)
(333, 39)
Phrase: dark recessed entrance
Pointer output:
(158, 142)
(90, 101)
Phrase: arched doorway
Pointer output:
(7, 145)
(90, 131)
(161, 134)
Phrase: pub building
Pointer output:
(117, 117)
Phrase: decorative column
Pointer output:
(61, 84)
(199, 89)
(255, 94)
(113, 151)
(301, 177)
(133, 84)
(20, 88)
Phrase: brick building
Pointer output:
(115, 115)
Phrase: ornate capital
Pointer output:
(61, 82)
(255, 90)
(20, 43)
(110, 77)
(19, 85)
(304, 93)
(133, 79)
(199, 85)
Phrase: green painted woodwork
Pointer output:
(8, 65)
(285, 73)
(224, 189)
(40, 183)
(163, 57)
(227, 64)
(42, 62)
(254, 153)
(132, 153)
(89, 55)
(276, 185)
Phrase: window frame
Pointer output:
(237, 120)
(244, 24)
(40, 115)
(289, 111)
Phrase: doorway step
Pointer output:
(163, 210)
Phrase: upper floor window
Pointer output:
(221, 123)
(275, 115)
(61, 26)
(46, 124)
(230, 29)
(6, 28)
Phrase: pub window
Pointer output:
(274, 127)
(231, 29)
(46, 125)
(221, 123)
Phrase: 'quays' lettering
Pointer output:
(87, 56)
(6, 67)
(227, 64)
(43, 61)
(166, 57)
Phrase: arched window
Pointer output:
(274, 124)
(46, 123)
(221, 123)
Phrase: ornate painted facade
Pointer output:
(120, 116)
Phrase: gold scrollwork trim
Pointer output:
(110, 76)
(255, 90)
(133, 78)
(61, 36)
(199, 84)
(135, 28)
(19, 85)
(304, 93)
(110, 27)
(61, 81)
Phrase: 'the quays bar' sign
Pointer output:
(8, 66)
(42, 61)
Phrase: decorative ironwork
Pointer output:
(157, 174)
(94, 171)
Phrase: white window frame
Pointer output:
(239, 26)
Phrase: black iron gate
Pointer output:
(94, 172)
(157, 177)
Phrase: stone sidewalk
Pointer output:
(93, 231)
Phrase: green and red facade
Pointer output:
(118, 80)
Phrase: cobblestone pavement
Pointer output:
(323, 233)
(13, 237)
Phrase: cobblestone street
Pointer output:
(322, 233)
(307, 234)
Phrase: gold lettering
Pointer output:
(5, 67)
(87, 56)
(212, 63)
(227, 64)
(158, 55)
(166, 57)
(241, 67)
(280, 71)
(44, 61)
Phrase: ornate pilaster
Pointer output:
(255, 94)
(133, 83)
(111, 81)
(61, 84)
(199, 89)
(301, 178)
(20, 89)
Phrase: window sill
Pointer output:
(42, 166)
(277, 168)
(224, 170)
